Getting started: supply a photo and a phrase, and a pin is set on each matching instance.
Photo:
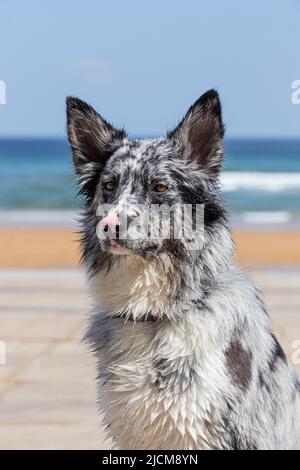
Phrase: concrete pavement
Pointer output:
(47, 392)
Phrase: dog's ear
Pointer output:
(92, 139)
(200, 133)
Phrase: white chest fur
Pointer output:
(158, 378)
(156, 389)
(134, 286)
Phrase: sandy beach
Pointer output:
(59, 248)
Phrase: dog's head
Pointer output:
(130, 187)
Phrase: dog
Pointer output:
(186, 358)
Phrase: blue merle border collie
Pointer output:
(185, 355)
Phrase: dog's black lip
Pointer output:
(123, 242)
(144, 319)
(139, 251)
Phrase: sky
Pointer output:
(141, 64)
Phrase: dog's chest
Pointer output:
(131, 287)
(153, 391)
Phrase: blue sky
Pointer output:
(142, 63)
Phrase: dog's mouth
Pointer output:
(114, 246)
(121, 246)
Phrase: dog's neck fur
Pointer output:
(139, 289)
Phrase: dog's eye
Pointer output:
(109, 185)
(160, 188)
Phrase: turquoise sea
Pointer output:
(260, 181)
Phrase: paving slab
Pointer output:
(47, 387)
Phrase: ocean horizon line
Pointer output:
(267, 138)
(258, 175)
(70, 219)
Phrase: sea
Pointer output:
(260, 182)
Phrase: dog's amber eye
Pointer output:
(109, 185)
(160, 188)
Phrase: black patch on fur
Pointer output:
(262, 383)
(236, 440)
(199, 303)
(278, 355)
(238, 443)
(148, 317)
(296, 388)
(239, 364)
(175, 378)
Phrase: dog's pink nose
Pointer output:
(110, 221)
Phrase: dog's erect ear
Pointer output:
(201, 132)
(92, 138)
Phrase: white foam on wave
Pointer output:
(237, 180)
(19, 218)
(280, 217)
(69, 219)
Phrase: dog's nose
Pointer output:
(111, 221)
